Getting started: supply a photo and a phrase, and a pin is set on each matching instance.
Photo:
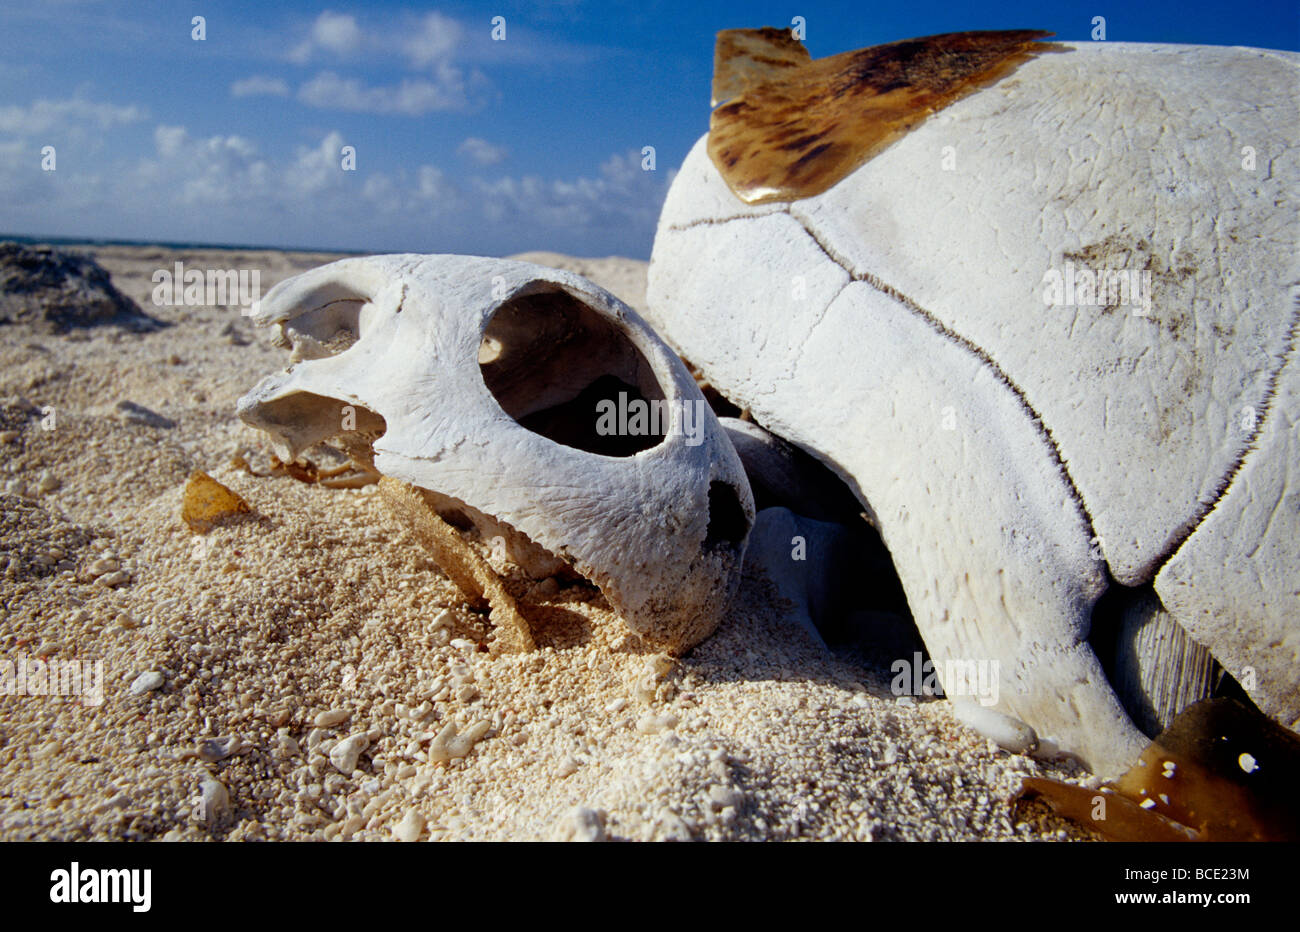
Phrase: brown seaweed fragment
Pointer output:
(1222, 771)
(791, 127)
(351, 475)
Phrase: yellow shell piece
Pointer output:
(207, 501)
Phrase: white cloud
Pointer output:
(336, 31)
(45, 116)
(215, 170)
(434, 42)
(428, 46)
(431, 183)
(482, 151)
(231, 171)
(412, 97)
(258, 85)
(333, 33)
(622, 195)
(319, 168)
(380, 191)
(226, 188)
(169, 140)
(424, 43)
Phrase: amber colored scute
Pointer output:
(793, 127)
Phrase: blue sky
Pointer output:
(463, 144)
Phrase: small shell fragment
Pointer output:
(345, 754)
(211, 750)
(146, 682)
(214, 800)
(331, 718)
(581, 824)
(654, 724)
(111, 580)
(449, 744)
(207, 501)
(1006, 732)
(410, 828)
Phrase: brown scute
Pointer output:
(743, 58)
(802, 142)
(812, 154)
(799, 126)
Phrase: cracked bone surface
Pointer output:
(895, 327)
(483, 381)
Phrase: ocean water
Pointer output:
(164, 244)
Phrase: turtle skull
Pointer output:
(531, 401)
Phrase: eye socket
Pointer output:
(562, 370)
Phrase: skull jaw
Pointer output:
(690, 614)
(677, 616)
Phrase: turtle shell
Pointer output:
(1047, 336)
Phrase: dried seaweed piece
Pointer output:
(795, 129)
(207, 501)
(1114, 817)
(472, 574)
(347, 477)
(350, 475)
(1222, 771)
